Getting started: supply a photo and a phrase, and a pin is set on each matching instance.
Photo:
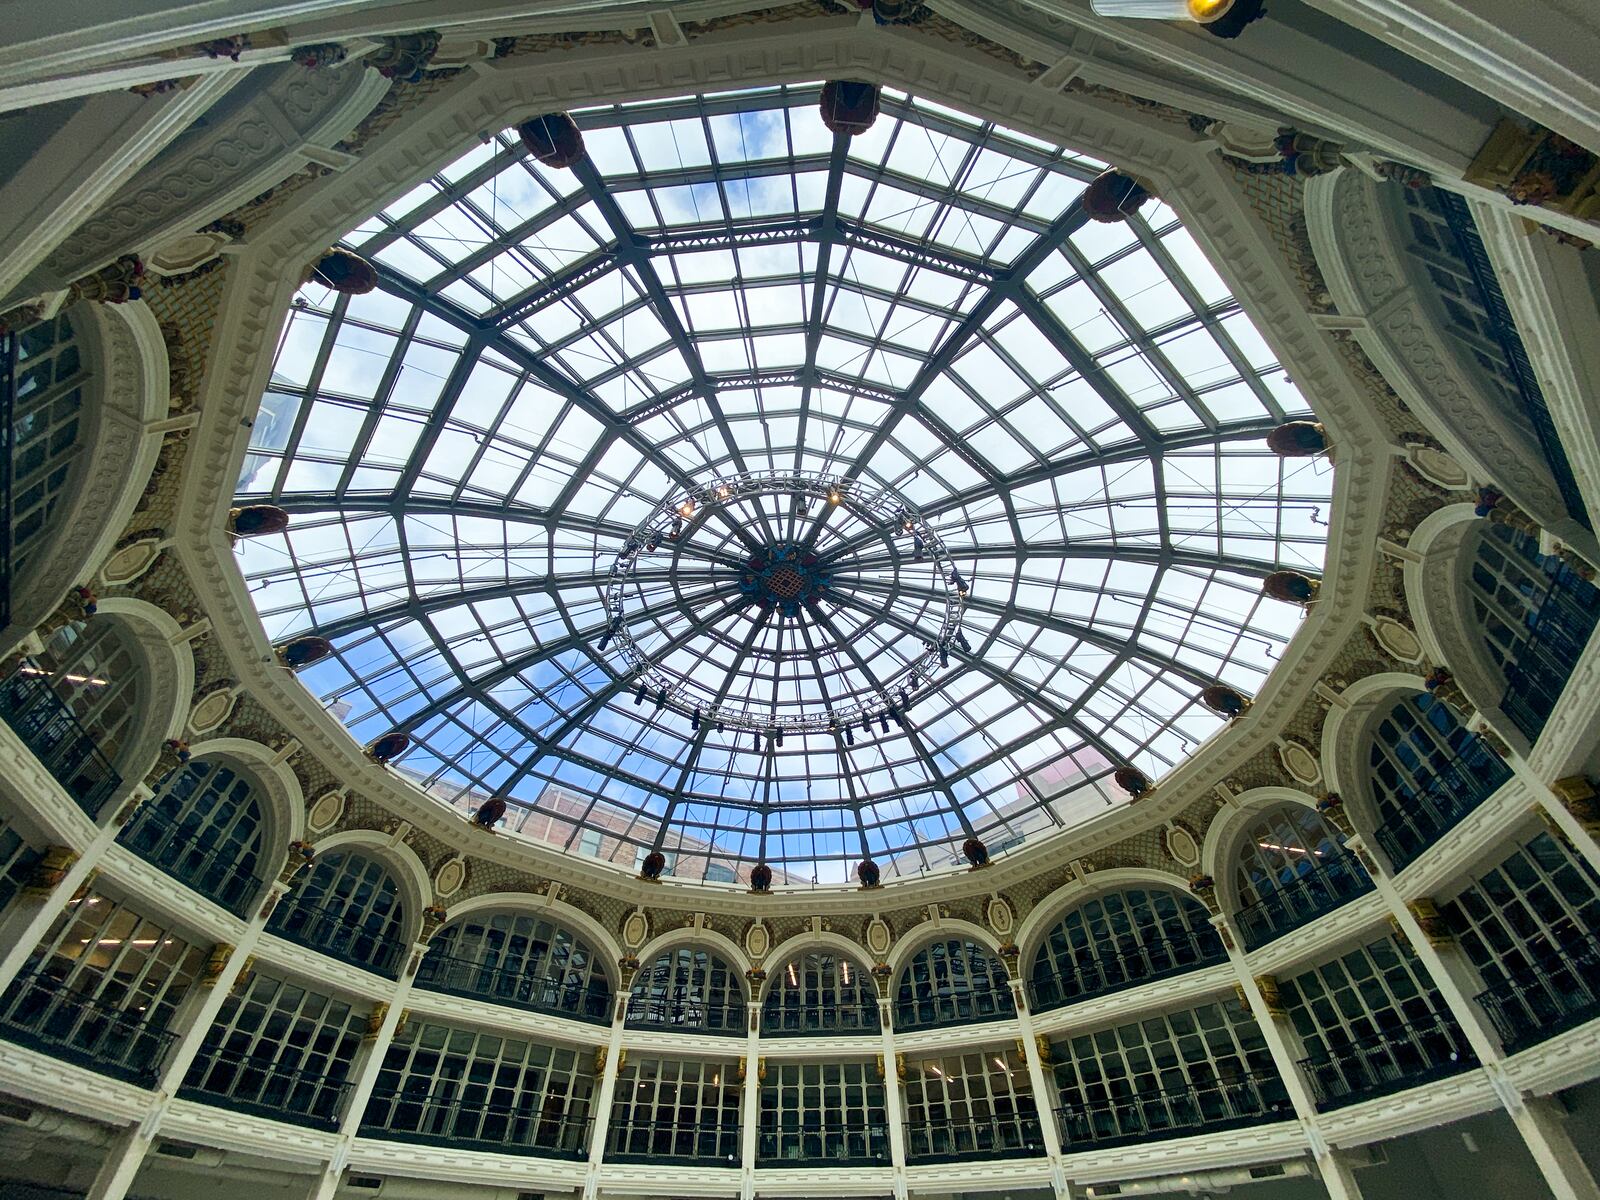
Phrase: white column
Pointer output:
(605, 1097)
(1044, 1091)
(29, 918)
(124, 1156)
(750, 1102)
(893, 1104)
(1543, 1126)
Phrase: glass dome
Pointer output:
(760, 493)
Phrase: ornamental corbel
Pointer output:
(1580, 798)
(47, 874)
(216, 963)
(1271, 999)
(1435, 928)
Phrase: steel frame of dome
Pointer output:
(998, 284)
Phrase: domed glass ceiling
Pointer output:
(766, 494)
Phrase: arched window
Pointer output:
(951, 983)
(688, 987)
(74, 706)
(1291, 866)
(346, 905)
(820, 992)
(203, 827)
(1534, 616)
(518, 958)
(1119, 940)
(1427, 773)
(50, 375)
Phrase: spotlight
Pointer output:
(801, 508)
(686, 509)
(694, 721)
(958, 583)
(777, 737)
(639, 699)
(651, 544)
(961, 640)
(661, 698)
(756, 738)
(721, 726)
(944, 654)
(905, 698)
(676, 531)
(917, 546)
(834, 496)
(723, 491)
(883, 720)
(849, 737)
(605, 639)
(899, 719)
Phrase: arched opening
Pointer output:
(952, 982)
(1290, 867)
(688, 988)
(1534, 616)
(820, 991)
(203, 827)
(346, 905)
(1427, 772)
(77, 706)
(1118, 940)
(519, 958)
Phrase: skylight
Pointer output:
(725, 292)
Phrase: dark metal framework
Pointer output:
(723, 287)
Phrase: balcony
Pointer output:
(1153, 1114)
(686, 1015)
(328, 930)
(1321, 886)
(1553, 994)
(708, 1145)
(1388, 1061)
(472, 1118)
(1550, 648)
(266, 1088)
(43, 1015)
(8, 467)
(498, 985)
(215, 871)
(809, 1144)
(1463, 783)
(1015, 1136)
(807, 1020)
(1134, 963)
(53, 733)
(953, 1008)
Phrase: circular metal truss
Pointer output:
(787, 578)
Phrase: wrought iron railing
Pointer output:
(1102, 969)
(1015, 1136)
(1152, 1113)
(8, 468)
(686, 1013)
(1401, 1056)
(472, 1118)
(215, 871)
(810, 1018)
(267, 1088)
(1322, 885)
(1503, 328)
(805, 1142)
(55, 736)
(583, 1001)
(708, 1143)
(329, 931)
(1544, 659)
(1556, 992)
(1450, 793)
(40, 1013)
(954, 1008)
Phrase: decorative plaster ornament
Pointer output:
(1437, 467)
(1300, 762)
(212, 706)
(999, 914)
(129, 562)
(757, 941)
(1397, 641)
(325, 813)
(183, 254)
(451, 875)
(1182, 846)
(635, 930)
(879, 937)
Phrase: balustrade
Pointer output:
(50, 729)
(1172, 1112)
(1555, 993)
(1013, 1136)
(1097, 973)
(41, 1013)
(500, 985)
(1390, 1059)
(1450, 793)
(1321, 886)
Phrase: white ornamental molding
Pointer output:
(502, 91)
(1300, 762)
(449, 878)
(325, 813)
(212, 707)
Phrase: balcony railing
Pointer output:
(801, 1020)
(1016, 1136)
(1543, 661)
(327, 930)
(500, 985)
(964, 1008)
(1388, 1061)
(686, 1015)
(808, 1144)
(215, 871)
(1555, 993)
(476, 1120)
(8, 467)
(709, 1144)
(1325, 884)
(266, 1088)
(56, 738)
(1155, 1113)
(1096, 974)
(1463, 783)
(43, 1015)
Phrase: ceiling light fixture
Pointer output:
(1222, 18)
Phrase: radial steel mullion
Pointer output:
(847, 773)
(334, 319)
(819, 280)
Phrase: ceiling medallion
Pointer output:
(794, 579)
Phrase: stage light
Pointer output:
(944, 654)
(661, 698)
(686, 509)
(849, 737)
(961, 640)
(639, 699)
(694, 721)
(834, 496)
